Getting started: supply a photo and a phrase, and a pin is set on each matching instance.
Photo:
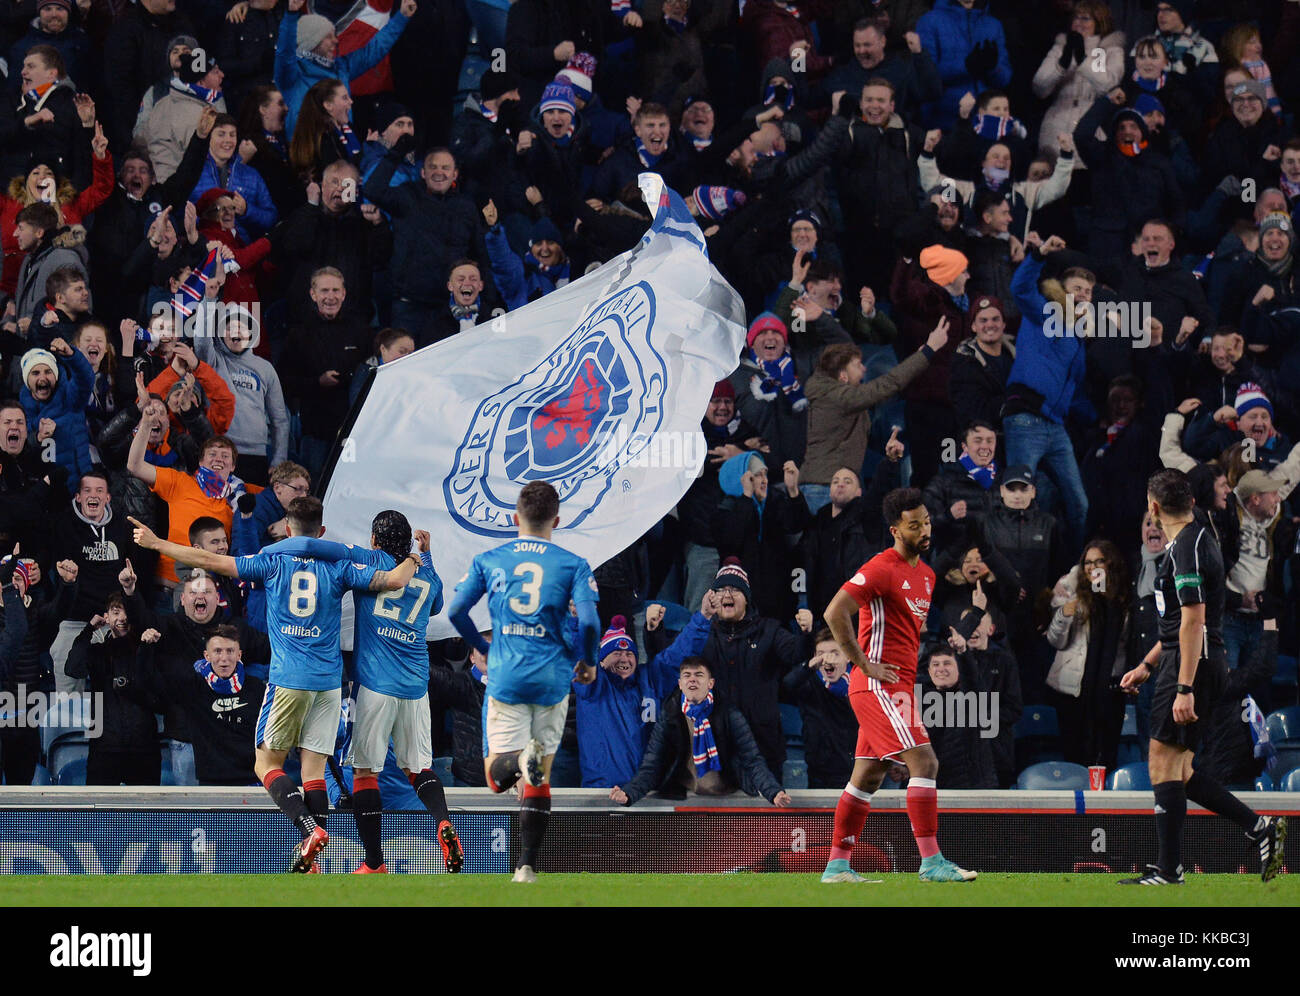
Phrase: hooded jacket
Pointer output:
(664, 767)
(617, 715)
(100, 550)
(126, 708)
(1048, 369)
(37, 267)
(67, 407)
(1147, 179)
(261, 422)
(172, 124)
(948, 33)
(1074, 89)
(782, 428)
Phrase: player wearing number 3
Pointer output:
(303, 701)
(529, 583)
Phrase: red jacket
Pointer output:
(241, 286)
(73, 211)
(772, 31)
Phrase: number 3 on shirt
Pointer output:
(531, 588)
(302, 593)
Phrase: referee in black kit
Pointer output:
(1190, 669)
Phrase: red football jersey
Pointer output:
(894, 600)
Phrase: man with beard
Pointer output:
(890, 596)
(54, 395)
(618, 710)
(30, 489)
(749, 655)
(89, 534)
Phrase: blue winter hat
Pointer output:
(1148, 102)
(544, 229)
(558, 96)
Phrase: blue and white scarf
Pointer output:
(701, 143)
(210, 482)
(703, 748)
(320, 60)
(203, 93)
(462, 312)
(349, 140)
(222, 686)
(983, 476)
(276, 141)
(839, 688)
(647, 160)
(780, 374)
(558, 275)
(1150, 86)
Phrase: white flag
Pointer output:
(598, 387)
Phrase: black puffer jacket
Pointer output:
(978, 382)
(876, 171)
(1030, 540)
(749, 658)
(664, 768)
(951, 485)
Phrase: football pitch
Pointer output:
(768, 889)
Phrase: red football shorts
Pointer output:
(888, 720)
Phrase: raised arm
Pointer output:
(146, 539)
(136, 464)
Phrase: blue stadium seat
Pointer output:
(1286, 677)
(1130, 778)
(41, 776)
(65, 752)
(675, 616)
(1053, 775)
(1037, 721)
(794, 774)
(442, 768)
(791, 723)
(1288, 759)
(1130, 728)
(73, 772)
(1284, 726)
(1263, 782)
(795, 752)
(1292, 781)
(51, 735)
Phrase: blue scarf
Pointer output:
(459, 311)
(983, 476)
(555, 274)
(276, 141)
(703, 747)
(350, 140)
(701, 143)
(1150, 86)
(780, 374)
(769, 96)
(320, 60)
(960, 301)
(210, 482)
(479, 676)
(840, 688)
(647, 160)
(203, 93)
(222, 686)
(677, 26)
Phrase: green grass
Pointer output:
(631, 890)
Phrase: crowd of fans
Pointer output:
(1019, 259)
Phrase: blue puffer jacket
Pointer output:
(296, 73)
(948, 33)
(248, 184)
(67, 407)
(1052, 366)
(616, 715)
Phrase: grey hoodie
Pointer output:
(261, 423)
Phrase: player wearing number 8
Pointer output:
(529, 583)
(302, 703)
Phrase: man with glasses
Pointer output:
(261, 521)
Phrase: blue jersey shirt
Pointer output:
(391, 652)
(529, 583)
(303, 614)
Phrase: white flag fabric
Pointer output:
(598, 387)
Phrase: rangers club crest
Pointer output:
(574, 419)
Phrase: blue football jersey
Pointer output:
(529, 583)
(303, 614)
(391, 655)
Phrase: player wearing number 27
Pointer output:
(303, 696)
(529, 583)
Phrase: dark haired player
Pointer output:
(1190, 668)
(303, 698)
(890, 595)
(391, 662)
(529, 583)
